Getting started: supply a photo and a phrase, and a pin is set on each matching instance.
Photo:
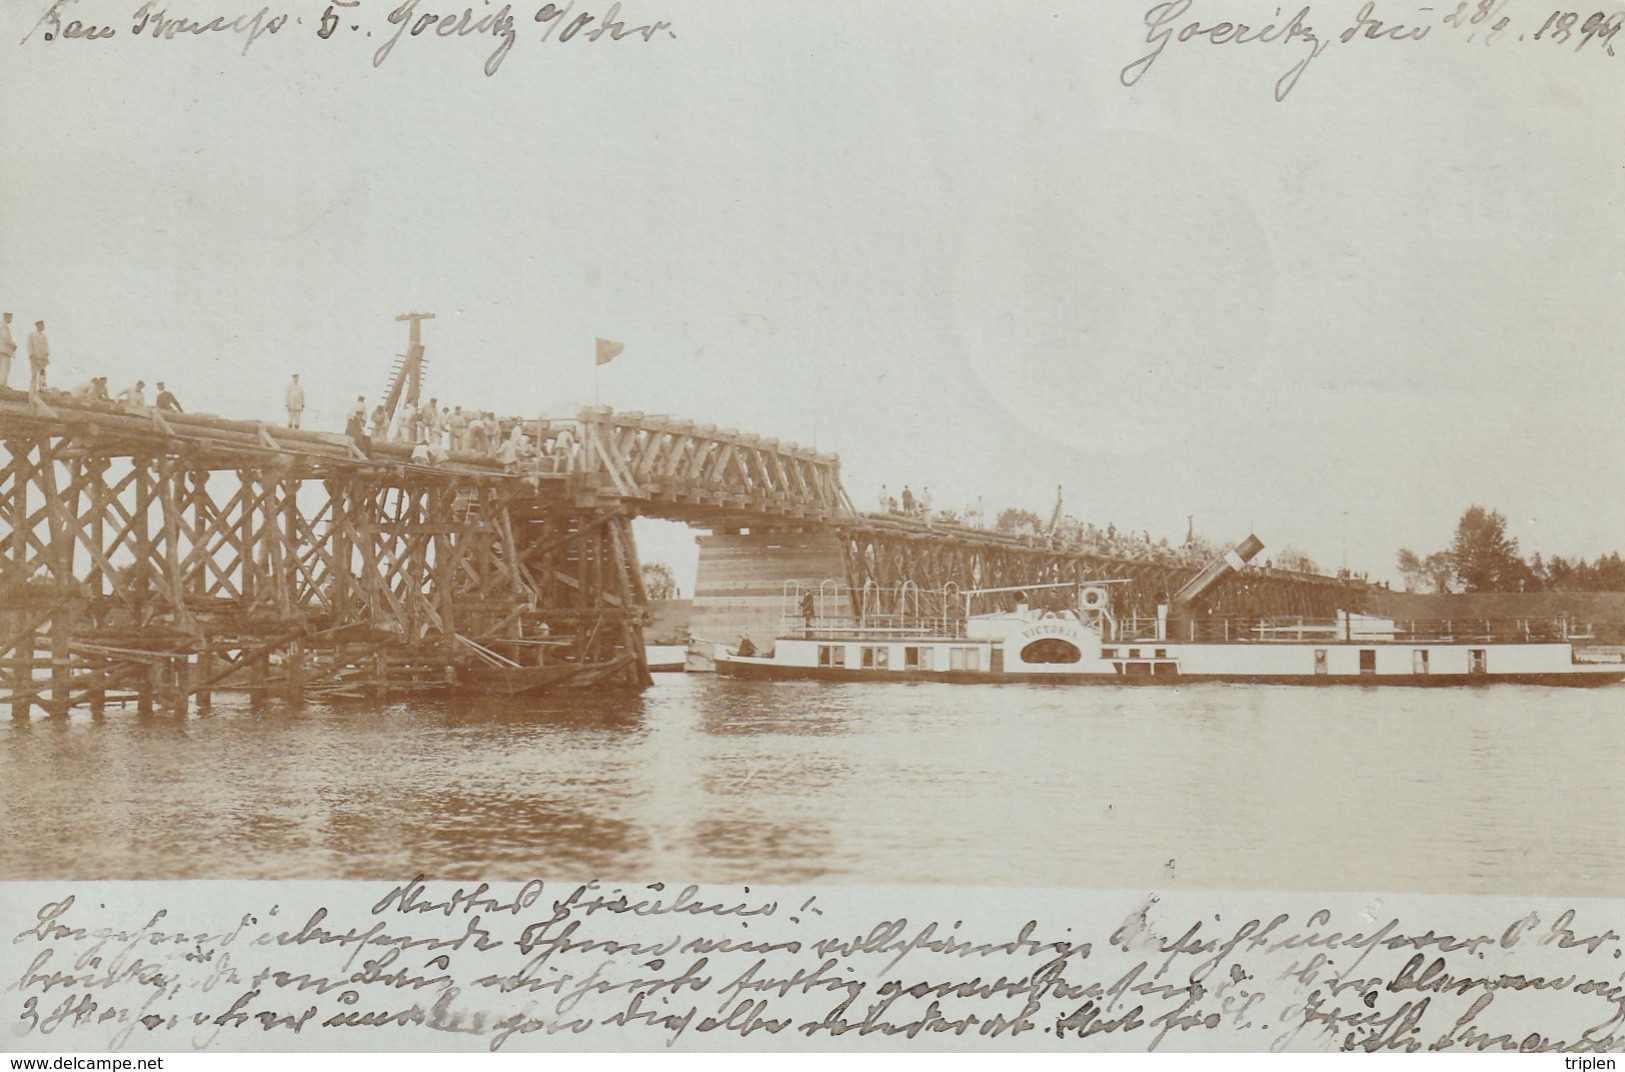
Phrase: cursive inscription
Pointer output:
(504, 27)
(518, 964)
(1485, 22)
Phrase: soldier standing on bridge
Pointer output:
(39, 356)
(295, 398)
(8, 350)
(402, 431)
(908, 500)
(355, 424)
(431, 423)
(457, 425)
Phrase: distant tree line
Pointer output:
(659, 582)
(1483, 558)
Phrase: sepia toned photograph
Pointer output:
(1144, 454)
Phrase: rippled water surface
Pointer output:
(1502, 789)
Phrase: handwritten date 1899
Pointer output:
(1367, 23)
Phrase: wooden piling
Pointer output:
(22, 675)
(295, 661)
(62, 629)
(149, 685)
(205, 672)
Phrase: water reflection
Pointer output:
(701, 779)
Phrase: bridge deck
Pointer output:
(169, 553)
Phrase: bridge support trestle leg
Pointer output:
(205, 673)
(296, 672)
(180, 685)
(151, 680)
(22, 675)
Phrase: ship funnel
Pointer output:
(1217, 570)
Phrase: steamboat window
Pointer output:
(925, 659)
(1109, 653)
(1419, 661)
(876, 658)
(1368, 660)
(1320, 660)
(832, 655)
(964, 659)
(911, 658)
(1476, 662)
(1162, 653)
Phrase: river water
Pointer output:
(1502, 789)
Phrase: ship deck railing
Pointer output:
(877, 627)
(1355, 630)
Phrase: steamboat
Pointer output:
(1071, 634)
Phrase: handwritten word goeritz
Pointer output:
(1307, 32)
(652, 966)
(159, 20)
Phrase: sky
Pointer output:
(944, 241)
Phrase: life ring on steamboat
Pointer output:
(1094, 599)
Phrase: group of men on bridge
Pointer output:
(39, 354)
(912, 505)
(433, 431)
(132, 398)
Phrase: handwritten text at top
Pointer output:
(160, 20)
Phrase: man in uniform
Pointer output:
(296, 401)
(92, 390)
(166, 401)
(355, 422)
(8, 350)
(134, 398)
(429, 422)
(457, 424)
(39, 356)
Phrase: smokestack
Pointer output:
(1220, 568)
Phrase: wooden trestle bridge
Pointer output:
(153, 558)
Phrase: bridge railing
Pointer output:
(1355, 629)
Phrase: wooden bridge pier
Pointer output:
(154, 565)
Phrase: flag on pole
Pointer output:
(607, 351)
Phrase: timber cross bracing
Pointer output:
(704, 475)
(158, 559)
(887, 553)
